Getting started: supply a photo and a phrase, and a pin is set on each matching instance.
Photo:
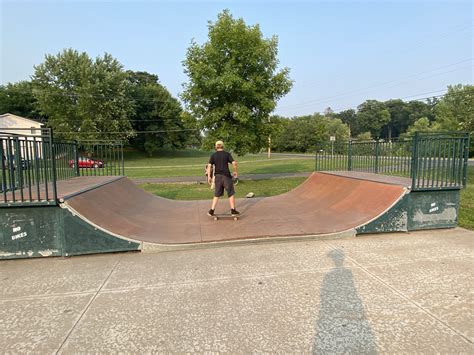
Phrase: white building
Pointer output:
(9, 122)
(16, 125)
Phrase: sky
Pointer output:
(340, 53)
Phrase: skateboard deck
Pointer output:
(225, 216)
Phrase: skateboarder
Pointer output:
(222, 178)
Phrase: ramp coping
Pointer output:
(89, 188)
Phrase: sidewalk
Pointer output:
(391, 293)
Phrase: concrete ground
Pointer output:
(392, 293)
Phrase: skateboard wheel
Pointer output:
(215, 218)
(235, 218)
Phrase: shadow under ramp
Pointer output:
(342, 326)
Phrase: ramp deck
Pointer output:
(324, 203)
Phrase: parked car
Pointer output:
(85, 162)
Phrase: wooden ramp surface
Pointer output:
(324, 203)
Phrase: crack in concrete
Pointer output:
(88, 306)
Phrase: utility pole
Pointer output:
(269, 153)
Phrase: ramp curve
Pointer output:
(323, 204)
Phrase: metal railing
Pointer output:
(439, 161)
(100, 158)
(431, 160)
(33, 163)
(28, 170)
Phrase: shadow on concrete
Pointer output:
(342, 326)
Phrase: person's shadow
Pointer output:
(342, 326)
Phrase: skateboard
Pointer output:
(225, 216)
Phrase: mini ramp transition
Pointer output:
(113, 214)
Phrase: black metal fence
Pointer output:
(33, 163)
(431, 160)
(439, 161)
(100, 159)
(28, 170)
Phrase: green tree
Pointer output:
(17, 98)
(234, 83)
(455, 111)
(308, 133)
(372, 115)
(364, 136)
(156, 111)
(193, 133)
(84, 98)
(422, 124)
(348, 117)
(399, 118)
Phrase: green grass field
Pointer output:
(261, 188)
(466, 211)
(192, 163)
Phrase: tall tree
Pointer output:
(17, 98)
(193, 132)
(372, 115)
(156, 111)
(455, 111)
(422, 124)
(84, 98)
(234, 83)
(349, 117)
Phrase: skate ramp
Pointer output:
(323, 204)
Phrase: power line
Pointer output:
(86, 95)
(129, 132)
(329, 98)
(141, 120)
(419, 99)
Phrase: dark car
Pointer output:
(85, 162)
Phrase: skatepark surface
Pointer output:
(390, 293)
(324, 204)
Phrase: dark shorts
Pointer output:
(223, 182)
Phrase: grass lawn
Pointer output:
(466, 211)
(261, 188)
(192, 162)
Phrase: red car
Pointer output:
(87, 163)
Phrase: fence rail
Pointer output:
(100, 159)
(431, 160)
(33, 163)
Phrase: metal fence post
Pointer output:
(53, 166)
(349, 156)
(123, 162)
(76, 158)
(377, 152)
(467, 142)
(316, 159)
(414, 160)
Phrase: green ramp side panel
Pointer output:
(393, 220)
(83, 238)
(30, 232)
(433, 209)
(41, 231)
